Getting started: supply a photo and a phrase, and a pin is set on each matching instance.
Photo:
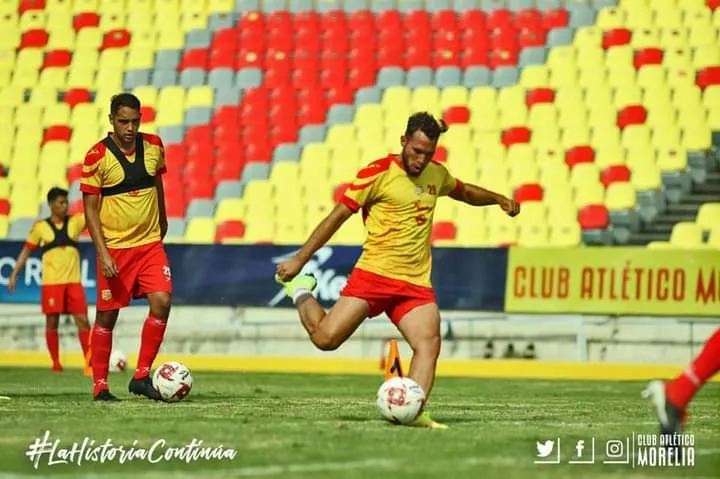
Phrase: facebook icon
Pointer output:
(579, 453)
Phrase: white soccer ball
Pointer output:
(173, 381)
(118, 361)
(400, 400)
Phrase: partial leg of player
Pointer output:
(421, 329)
(153, 333)
(102, 333)
(52, 340)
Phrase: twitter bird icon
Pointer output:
(545, 449)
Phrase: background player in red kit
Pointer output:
(125, 213)
(62, 291)
(397, 195)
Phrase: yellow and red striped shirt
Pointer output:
(398, 213)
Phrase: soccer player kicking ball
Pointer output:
(62, 292)
(671, 399)
(125, 213)
(397, 195)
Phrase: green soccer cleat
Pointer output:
(303, 282)
(424, 420)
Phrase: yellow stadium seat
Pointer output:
(171, 39)
(673, 37)
(62, 39)
(290, 231)
(546, 138)
(90, 37)
(144, 35)
(29, 115)
(221, 6)
(513, 115)
(668, 18)
(666, 137)
(533, 235)
(560, 195)
(553, 173)
(81, 78)
(396, 118)
(200, 231)
(10, 39)
(341, 135)
(565, 235)
(457, 135)
(453, 96)
(620, 196)
(714, 238)
(170, 103)
(315, 152)
(426, 98)
(641, 156)
(341, 172)
(706, 56)
(687, 235)
(230, 209)
(584, 174)
(58, 114)
(193, 6)
(25, 78)
(85, 58)
(714, 118)
(140, 58)
(562, 56)
(371, 135)
(394, 96)
(523, 170)
(661, 115)
(609, 155)
(646, 37)
(53, 77)
(148, 95)
(569, 97)
(83, 6)
(680, 76)
(373, 151)
(113, 6)
(199, 96)
(43, 96)
(593, 76)
(285, 172)
(111, 80)
(590, 194)
(369, 114)
(621, 76)
(542, 114)
(635, 135)
(535, 213)
(482, 98)
(708, 216)
(694, 139)
(568, 116)
(534, 76)
(84, 114)
(628, 95)
(28, 58)
(575, 136)
(588, 37)
(598, 97)
(445, 210)
(659, 245)
(711, 97)
(4, 188)
(610, 17)
(32, 20)
(486, 120)
(502, 229)
(702, 35)
(112, 58)
(678, 58)
(646, 178)
(113, 21)
(258, 192)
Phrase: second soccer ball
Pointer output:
(400, 400)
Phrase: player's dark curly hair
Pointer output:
(124, 99)
(55, 193)
(426, 123)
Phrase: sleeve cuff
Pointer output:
(30, 246)
(162, 171)
(458, 186)
(350, 203)
(93, 190)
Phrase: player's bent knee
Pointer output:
(325, 342)
(428, 346)
(160, 304)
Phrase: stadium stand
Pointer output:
(602, 117)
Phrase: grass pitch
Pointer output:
(307, 426)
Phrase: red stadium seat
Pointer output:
(499, 19)
(631, 115)
(530, 19)
(708, 76)
(441, 154)
(4, 207)
(648, 56)
(76, 207)
(389, 20)
(175, 154)
(531, 38)
(457, 114)
(499, 58)
(539, 95)
(75, 96)
(86, 20)
(443, 230)
(474, 57)
(231, 229)
(175, 206)
(26, 5)
(116, 39)
(528, 192)
(616, 37)
(444, 20)
(57, 58)
(147, 114)
(557, 18)
(361, 19)
(341, 94)
(594, 217)
(615, 174)
(713, 4)
(514, 135)
(74, 172)
(201, 188)
(445, 58)
(579, 154)
(36, 38)
(339, 191)
(227, 170)
(57, 133)
(471, 20)
(222, 59)
(195, 58)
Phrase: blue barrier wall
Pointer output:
(243, 275)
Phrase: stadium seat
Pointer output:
(687, 235)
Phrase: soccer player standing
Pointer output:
(671, 399)
(397, 195)
(62, 292)
(125, 213)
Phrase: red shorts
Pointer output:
(63, 299)
(387, 295)
(142, 270)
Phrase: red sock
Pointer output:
(53, 345)
(84, 336)
(681, 390)
(100, 357)
(152, 336)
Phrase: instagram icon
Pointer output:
(617, 451)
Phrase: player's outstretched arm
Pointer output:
(476, 196)
(320, 235)
(91, 204)
(19, 265)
